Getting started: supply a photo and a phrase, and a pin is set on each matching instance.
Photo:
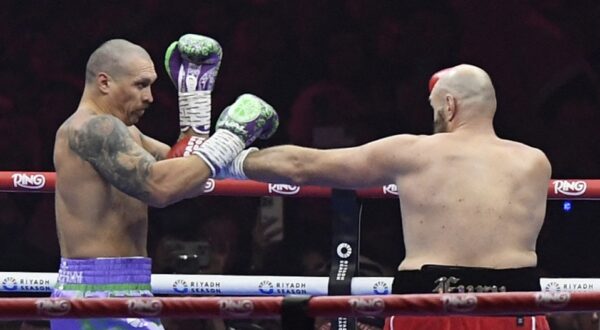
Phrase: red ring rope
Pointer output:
(11, 181)
(511, 303)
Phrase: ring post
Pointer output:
(345, 249)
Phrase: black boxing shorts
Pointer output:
(451, 279)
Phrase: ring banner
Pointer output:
(45, 182)
(345, 249)
(212, 285)
(569, 284)
(264, 285)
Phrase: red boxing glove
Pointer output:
(436, 76)
(185, 146)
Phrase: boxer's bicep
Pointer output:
(351, 168)
(105, 142)
(382, 161)
(347, 168)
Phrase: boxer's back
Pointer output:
(473, 201)
(93, 217)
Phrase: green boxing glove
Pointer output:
(240, 124)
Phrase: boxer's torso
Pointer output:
(94, 219)
(472, 201)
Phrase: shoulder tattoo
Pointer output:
(104, 141)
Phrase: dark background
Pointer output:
(339, 72)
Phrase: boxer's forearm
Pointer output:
(276, 164)
(284, 164)
(173, 180)
(346, 168)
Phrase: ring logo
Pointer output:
(209, 185)
(552, 287)
(145, 307)
(180, 286)
(266, 287)
(53, 307)
(367, 306)
(390, 189)
(381, 287)
(33, 181)
(9, 284)
(555, 300)
(570, 188)
(344, 250)
(236, 307)
(283, 189)
(459, 302)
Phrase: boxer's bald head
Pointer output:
(113, 57)
(464, 89)
(470, 84)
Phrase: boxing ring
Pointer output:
(286, 297)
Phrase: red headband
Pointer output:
(436, 76)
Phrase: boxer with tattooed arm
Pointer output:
(108, 173)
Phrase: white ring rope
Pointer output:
(264, 285)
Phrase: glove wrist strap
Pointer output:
(195, 111)
(219, 150)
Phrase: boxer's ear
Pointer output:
(103, 82)
(450, 106)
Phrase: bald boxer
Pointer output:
(108, 173)
(472, 203)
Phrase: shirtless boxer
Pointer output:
(472, 203)
(108, 173)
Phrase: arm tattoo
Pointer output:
(104, 141)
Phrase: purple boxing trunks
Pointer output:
(104, 278)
